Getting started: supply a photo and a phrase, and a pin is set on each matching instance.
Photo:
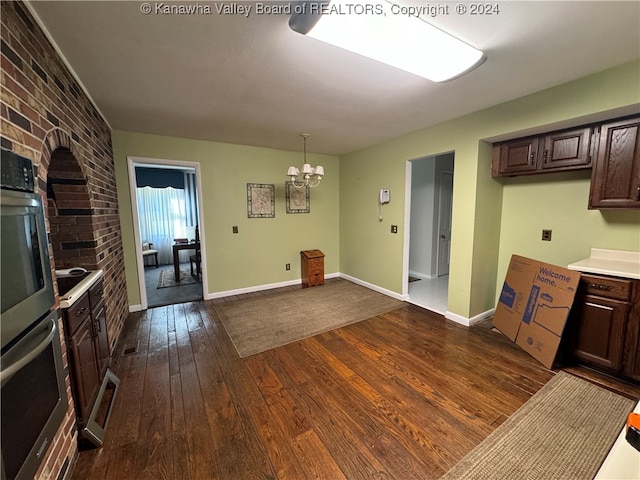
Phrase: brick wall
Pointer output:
(45, 116)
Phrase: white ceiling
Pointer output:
(251, 80)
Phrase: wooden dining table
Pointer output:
(176, 250)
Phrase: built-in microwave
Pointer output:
(26, 286)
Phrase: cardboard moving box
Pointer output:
(534, 305)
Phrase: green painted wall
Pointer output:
(560, 204)
(491, 218)
(258, 253)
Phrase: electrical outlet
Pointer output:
(394, 228)
(234, 229)
(287, 266)
(546, 235)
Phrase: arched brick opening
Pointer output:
(69, 208)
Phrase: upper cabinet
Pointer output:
(611, 149)
(552, 152)
(615, 178)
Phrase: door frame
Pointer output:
(132, 162)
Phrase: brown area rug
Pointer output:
(262, 323)
(168, 278)
(563, 432)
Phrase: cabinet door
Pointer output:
(101, 339)
(615, 179)
(566, 150)
(85, 369)
(517, 156)
(600, 331)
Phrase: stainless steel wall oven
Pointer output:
(32, 377)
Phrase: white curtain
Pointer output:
(163, 216)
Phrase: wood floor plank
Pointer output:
(243, 394)
(400, 443)
(402, 395)
(159, 336)
(154, 459)
(201, 459)
(179, 433)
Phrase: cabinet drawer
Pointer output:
(316, 262)
(95, 294)
(77, 314)
(314, 272)
(607, 287)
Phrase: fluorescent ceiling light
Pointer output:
(388, 36)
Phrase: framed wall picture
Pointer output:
(297, 198)
(261, 200)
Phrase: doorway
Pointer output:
(169, 233)
(430, 184)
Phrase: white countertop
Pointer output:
(623, 461)
(68, 299)
(617, 263)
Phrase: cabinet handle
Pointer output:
(98, 293)
(82, 311)
(98, 326)
(599, 286)
(533, 157)
(546, 155)
(638, 193)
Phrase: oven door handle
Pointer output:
(12, 369)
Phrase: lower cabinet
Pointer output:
(603, 325)
(88, 348)
(84, 369)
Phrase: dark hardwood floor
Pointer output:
(403, 395)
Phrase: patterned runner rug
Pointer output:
(563, 432)
(168, 278)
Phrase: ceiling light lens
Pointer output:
(400, 40)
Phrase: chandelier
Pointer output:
(309, 176)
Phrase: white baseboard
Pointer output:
(467, 322)
(259, 288)
(288, 283)
(376, 288)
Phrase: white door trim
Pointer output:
(132, 162)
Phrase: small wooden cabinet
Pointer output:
(554, 151)
(88, 347)
(312, 263)
(615, 179)
(603, 325)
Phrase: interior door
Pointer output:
(444, 222)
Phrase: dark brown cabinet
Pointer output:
(603, 325)
(555, 151)
(615, 179)
(88, 347)
(99, 321)
(312, 263)
(84, 368)
(515, 157)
